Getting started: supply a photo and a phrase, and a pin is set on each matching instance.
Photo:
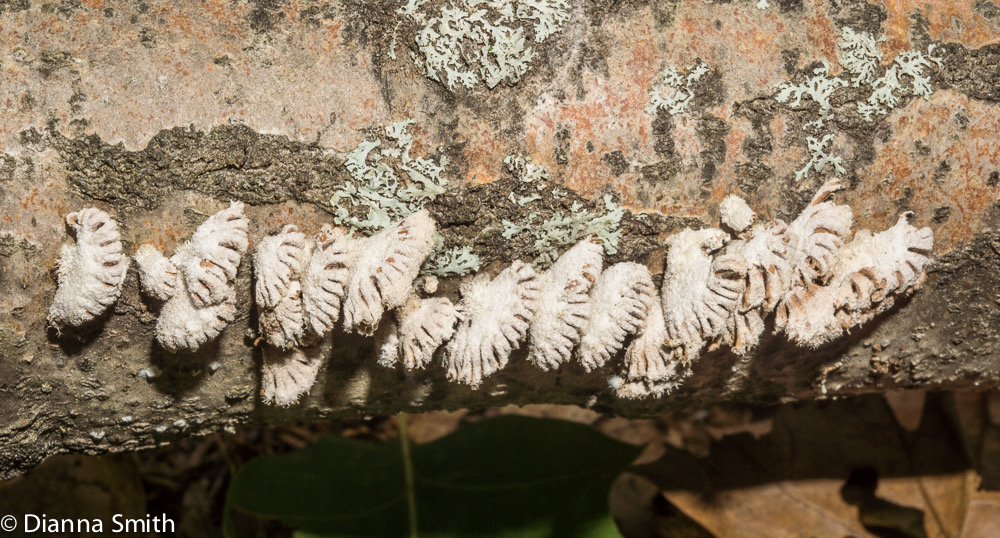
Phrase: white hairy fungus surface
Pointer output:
(423, 326)
(283, 325)
(387, 341)
(651, 367)
(496, 317)
(619, 302)
(563, 307)
(735, 214)
(201, 301)
(815, 237)
(383, 267)
(278, 264)
(183, 326)
(288, 374)
(700, 290)
(158, 275)
(91, 271)
(872, 271)
(210, 259)
(325, 280)
(769, 269)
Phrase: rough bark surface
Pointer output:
(161, 113)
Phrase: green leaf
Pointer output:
(507, 476)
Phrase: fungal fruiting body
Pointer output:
(618, 304)
(382, 270)
(651, 367)
(206, 264)
(563, 307)
(91, 271)
(184, 326)
(700, 290)
(210, 259)
(735, 214)
(872, 271)
(767, 276)
(422, 326)
(816, 236)
(288, 374)
(496, 314)
(278, 265)
(160, 278)
(325, 279)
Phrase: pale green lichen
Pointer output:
(455, 262)
(563, 230)
(819, 88)
(886, 90)
(523, 169)
(859, 55)
(818, 158)
(674, 89)
(387, 181)
(472, 41)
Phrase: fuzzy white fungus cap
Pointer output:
(383, 268)
(699, 290)
(815, 237)
(182, 326)
(563, 307)
(735, 214)
(325, 280)
(496, 318)
(208, 263)
(767, 279)
(286, 375)
(619, 302)
(423, 326)
(651, 367)
(873, 270)
(159, 276)
(91, 271)
(278, 265)
(210, 259)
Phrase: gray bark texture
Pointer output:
(162, 113)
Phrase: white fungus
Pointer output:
(208, 262)
(423, 325)
(288, 374)
(496, 318)
(563, 306)
(816, 236)
(278, 264)
(651, 367)
(160, 277)
(323, 285)
(699, 290)
(210, 259)
(184, 326)
(767, 278)
(91, 271)
(871, 272)
(618, 303)
(383, 268)
(735, 214)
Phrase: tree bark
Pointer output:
(161, 114)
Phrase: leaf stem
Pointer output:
(411, 501)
